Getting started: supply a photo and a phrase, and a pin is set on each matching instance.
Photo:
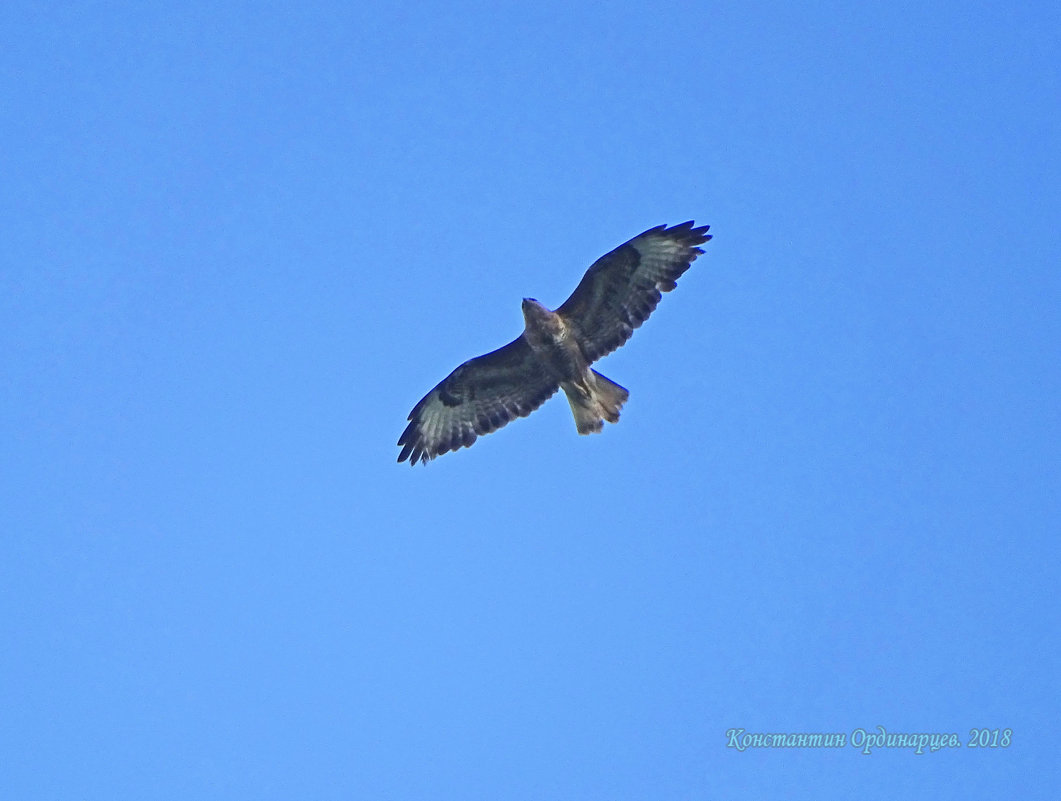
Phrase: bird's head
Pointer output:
(540, 319)
(533, 310)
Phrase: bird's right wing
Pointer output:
(480, 396)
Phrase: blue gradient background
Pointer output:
(241, 240)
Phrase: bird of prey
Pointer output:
(616, 295)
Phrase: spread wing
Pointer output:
(478, 397)
(621, 289)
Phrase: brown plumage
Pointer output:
(616, 295)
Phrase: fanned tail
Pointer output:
(594, 401)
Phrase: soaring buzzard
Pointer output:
(615, 296)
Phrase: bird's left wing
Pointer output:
(621, 289)
(480, 396)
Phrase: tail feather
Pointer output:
(594, 401)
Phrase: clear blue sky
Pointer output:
(238, 241)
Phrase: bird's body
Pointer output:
(616, 295)
(593, 397)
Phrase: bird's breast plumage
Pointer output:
(554, 345)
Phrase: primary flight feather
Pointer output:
(615, 296)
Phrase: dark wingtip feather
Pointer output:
(691, 235)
